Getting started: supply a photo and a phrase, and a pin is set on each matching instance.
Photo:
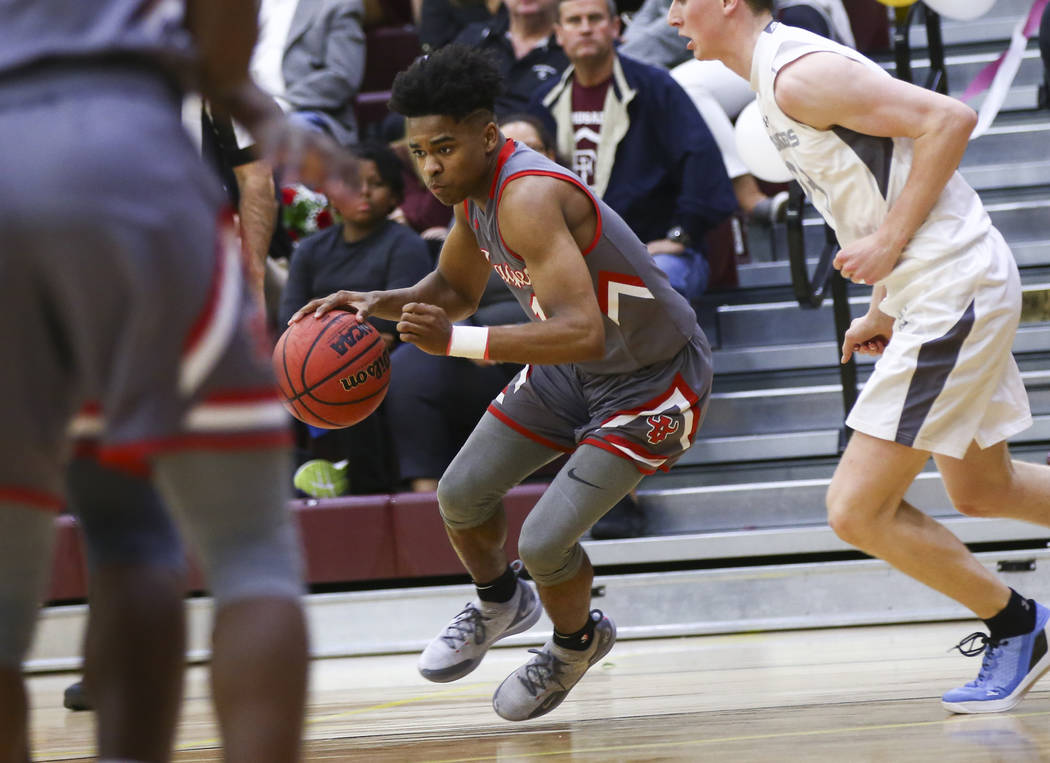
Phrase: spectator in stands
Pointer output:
(718, 93)
(664, 176)
(648, 38)
(441, 21)
(368, 251)
(310, 56)
(524, 47)
(530, 130)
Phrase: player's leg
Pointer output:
(232, 505)
(589, 485)
(26, 534)
(866, 508)
(494, 459)
(134, 649)
(986, 482)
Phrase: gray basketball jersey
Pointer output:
(853, 179)
(47, 30)
(646, 321)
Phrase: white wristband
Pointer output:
(469, 342)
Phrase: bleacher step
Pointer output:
(644, 605)
(776, 494)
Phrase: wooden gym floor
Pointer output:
(847, 694)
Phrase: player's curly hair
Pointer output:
(454, 81)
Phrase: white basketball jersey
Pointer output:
(852, 179)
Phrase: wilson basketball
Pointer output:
(332, 371)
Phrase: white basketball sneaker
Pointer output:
(540, 685)
(459, 647)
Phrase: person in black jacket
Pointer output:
(367, 251)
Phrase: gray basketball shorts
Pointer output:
(121, 285)
(649, 416)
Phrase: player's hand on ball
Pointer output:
(425, 326)
(867, 260)
(354, 301)
(867, 335)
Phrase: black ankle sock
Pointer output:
(579, 640)
(499, 590)
(1016, 619)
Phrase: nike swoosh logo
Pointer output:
(572, 476)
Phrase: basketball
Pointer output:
(332, 371)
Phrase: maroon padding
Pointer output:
(370, 109)
(423, 548)
(388, 50)
(870, 22)
(351, 539)
(69, 567)
(722, 255)
(347, 539)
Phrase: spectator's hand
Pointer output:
(425, 326)
(665, 246)
(867, 260)
(436, 233)
(398, 216)
(356, 302)
(867, 335)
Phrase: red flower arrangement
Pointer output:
(304, 212)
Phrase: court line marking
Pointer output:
(748, 737)
(205, 744)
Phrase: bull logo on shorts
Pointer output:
(660, 428)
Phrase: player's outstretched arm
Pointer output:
(827, 89)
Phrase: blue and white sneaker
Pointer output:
(1008, 670)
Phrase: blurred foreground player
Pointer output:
(618, 373)
(877, 158)
(122, 294)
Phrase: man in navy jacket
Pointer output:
(635, 137)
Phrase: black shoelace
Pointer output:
(540, 669)
(468, 622)
(966, 646)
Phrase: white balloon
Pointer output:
(756, 149)
(961, 10)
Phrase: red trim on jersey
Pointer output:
(677, 383)
(643, 468)
(605, 277)
(211, 303)
(504, 155)
(528, 433)
(90, 450)
(132, 456)
(36, 499)
(634, 447)
(557, 176)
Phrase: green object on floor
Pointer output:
(322, 479)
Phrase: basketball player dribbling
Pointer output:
(877, 158)
(122, 295)
(618, 373)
